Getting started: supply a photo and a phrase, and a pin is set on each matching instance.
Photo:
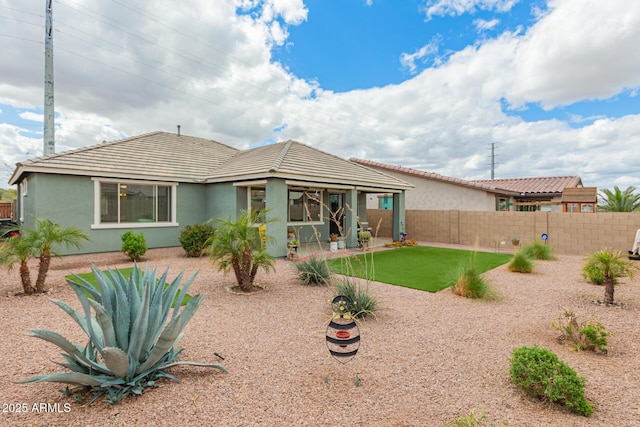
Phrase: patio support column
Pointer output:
(277, 197)
(351, 218)
(399, 222)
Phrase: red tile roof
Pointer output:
(519, 186)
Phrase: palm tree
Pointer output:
(19, 250)
(45, 237)
(619, 201)
(611, 264)
(240, 245)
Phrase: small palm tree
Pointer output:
(240, 245)
(18, 250)
(45, 237)
(610, 263)
(619, 201)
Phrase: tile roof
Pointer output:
(544, 185)
(156, 155)
(294, 160)
(172, 157)
(432, 176)
(513, 186)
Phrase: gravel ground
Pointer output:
(425, 359)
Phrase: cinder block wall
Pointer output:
(569, 233)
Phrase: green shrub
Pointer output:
(313, 271)
(364, 302)
(469, 283)
(520, 263)
(586, 335)
(134, 245)
(594, 273)
(541, 374)
(538, 250)
(193, 238)
(131, 337)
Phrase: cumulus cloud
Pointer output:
(209, 68)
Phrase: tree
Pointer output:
(619, 201)
(46, 236)
(18, 250)
(240, 245)
(611, 264)
(39, 242)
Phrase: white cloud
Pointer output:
(408, 60)
(459, 7)
(483, 24)
(216, 78)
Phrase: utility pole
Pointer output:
(49, 125)
(493, 159)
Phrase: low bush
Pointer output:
(469, 283)
(538, 250)
(473, 420)
(364, 302)
(194, 238)
(134, 245)
(313, 271)
(586, 335)
(541, 374)
(520, 263)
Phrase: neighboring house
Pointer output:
(160, 182)
(580, 199)
(437, 192)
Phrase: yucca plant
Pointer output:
(132, 335)
(314, 271)
(364, 301)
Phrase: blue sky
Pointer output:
(428, 84)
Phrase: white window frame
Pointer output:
(24, 190)
(306, 222)
(97, 224)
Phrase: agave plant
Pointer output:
(132, 336)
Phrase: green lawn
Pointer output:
(418, 267)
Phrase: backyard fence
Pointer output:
(8, 210)
(569, 233)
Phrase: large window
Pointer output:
(304, 206)
(126, 202)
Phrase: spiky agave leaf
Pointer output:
(117, 361)
(71, 349)
(69, 378)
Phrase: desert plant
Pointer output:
(193, 238)
(586, 335)
(541, 374)
(134, 245)
(468, 281)
(237, 245)
(18, 250)
(618, 200)
(520, 263)
(313, 271)
(38, 242)
(364, 301)
(538, 250)
(132, 336)
(473, 420)
(609, 264)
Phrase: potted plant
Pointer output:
(333, 237)
(291, 233)
(515, 241)
(364, 235)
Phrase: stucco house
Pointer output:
(160, 182)
(437, 192)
